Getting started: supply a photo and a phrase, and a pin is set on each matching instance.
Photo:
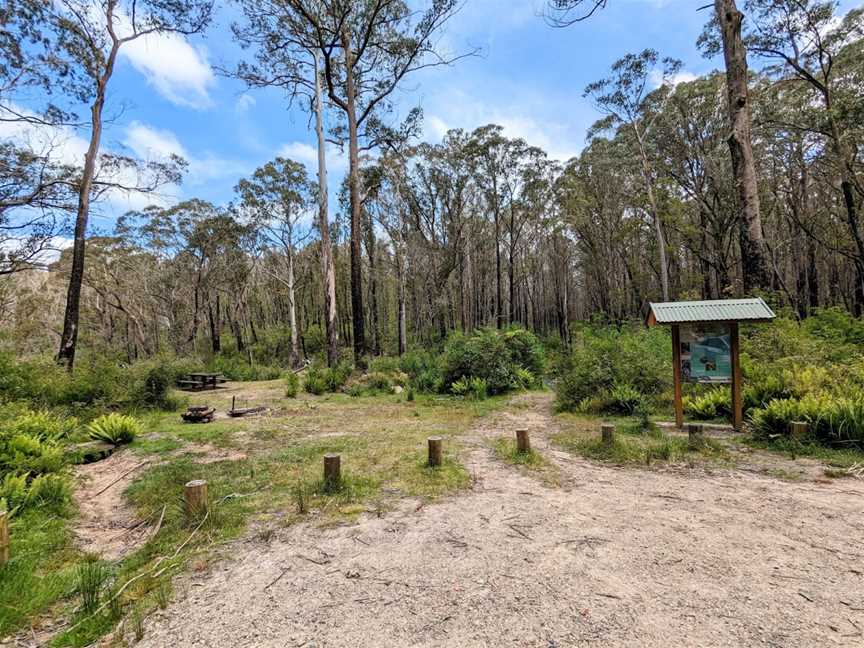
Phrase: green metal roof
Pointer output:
(722, 310)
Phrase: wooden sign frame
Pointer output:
(734, 352)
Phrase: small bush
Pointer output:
(116, 429)
(292, 384)
(314, 382)
(714, 403)
(833, 420)
(606, 360)
(320, 379)
(502, 359)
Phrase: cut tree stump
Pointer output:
(5, 549)
(332, 472)
(436, 450)
(523, 441)
(607, 434)
(696, 435)
(799, 430)
(196, 497)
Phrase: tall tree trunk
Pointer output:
(755, 268)
(499, 306)
(373, 289)
(292, 313)
(655, 214)
(400, 298)
(328, 271)
(69, 337)
(357, 315)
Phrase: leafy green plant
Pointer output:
(292, 384)
(712, 404)
(503, 359)
(604, 360)
(116, 429)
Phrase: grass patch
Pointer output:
(382, 441)
(41, 570)
(842, 458)
(506, 450)
(582, 436)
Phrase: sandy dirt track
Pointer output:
(612, 557)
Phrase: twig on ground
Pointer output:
(125, 474)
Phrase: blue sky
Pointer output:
(529, 79)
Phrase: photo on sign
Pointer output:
(706, 355)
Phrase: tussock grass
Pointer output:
(582, 437)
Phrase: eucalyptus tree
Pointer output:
(367, 49)
(277, 200)
(286, 56)
(726, 21)
(623, 98)
(810, 44)
(89, 39)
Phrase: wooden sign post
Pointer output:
(710, 352)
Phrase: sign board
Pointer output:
(706, 354)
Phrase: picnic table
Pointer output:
(202, 380)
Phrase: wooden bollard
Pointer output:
(436, 451)
(523, 441)
(799, 430)
(607, 434)
(332, 471)
(696, 435)
(5, 550)
(196, 497)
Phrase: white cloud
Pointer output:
(656, 78)
(176, 70)
(553, 136)
(337, 159)
(148, 142)
(152, 143)
(244, 103)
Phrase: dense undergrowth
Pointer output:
(811, 371)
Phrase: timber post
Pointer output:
(607, 434)
(195, 493)
(332, 472)
(523, 441)
(5, 549)
(436, 451)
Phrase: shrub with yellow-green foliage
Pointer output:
(32, 459)
(116, 429)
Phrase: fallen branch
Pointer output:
(126, 474)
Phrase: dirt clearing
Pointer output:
(611, 557)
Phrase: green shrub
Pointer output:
(51, 490)
(833, 420)
(320, 379)
(292, 384)
(314, 340)
(116, 429)
(422, 369)
(235, 367)
(313, 382)
(379, 382)
(605, 359)
(622, 399)
(495, 357)
(712, 404)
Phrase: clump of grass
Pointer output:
(507, 450)
(90, 576)
(645, 449)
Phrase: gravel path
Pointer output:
(612, 557)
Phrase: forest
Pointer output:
(464, 288)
